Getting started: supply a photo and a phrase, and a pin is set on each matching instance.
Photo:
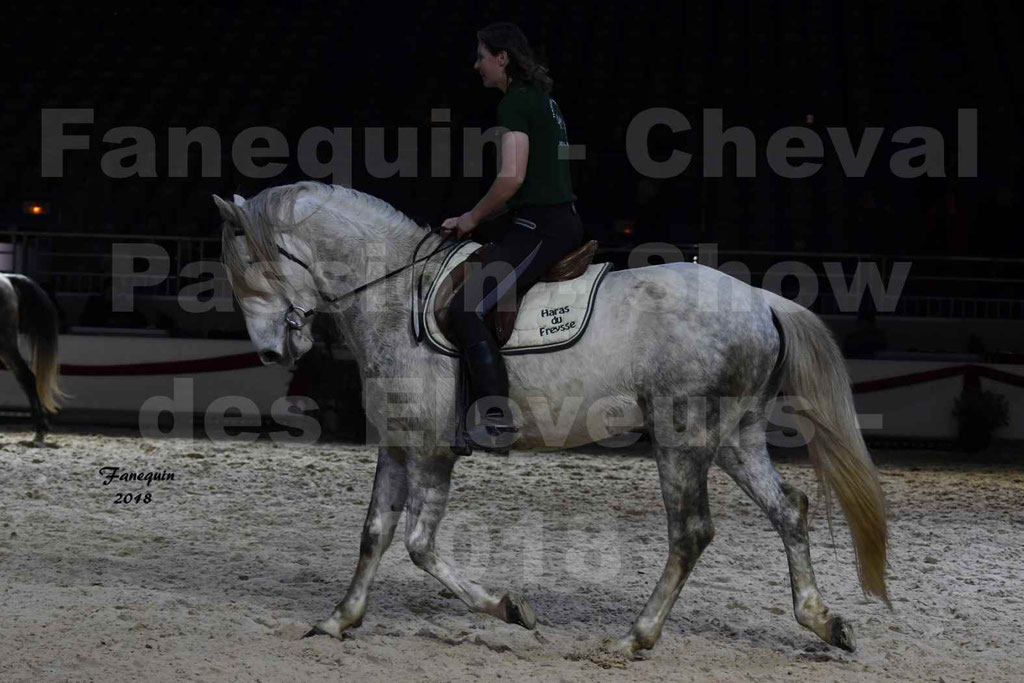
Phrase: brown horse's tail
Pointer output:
(815, 373)
(38, 321)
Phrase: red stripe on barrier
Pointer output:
(999, 375)
(244, 361)
(239, 361)
(907, 380)
(969, 371)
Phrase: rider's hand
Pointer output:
(461, 225)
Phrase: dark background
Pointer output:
(768, 65)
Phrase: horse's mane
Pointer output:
(273, 211)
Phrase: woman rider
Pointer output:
(534, 183)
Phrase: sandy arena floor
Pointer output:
(220, 573)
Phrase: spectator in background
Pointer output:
(956, 223)
(946, 223)
(1004, 215)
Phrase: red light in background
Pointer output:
(35, 208)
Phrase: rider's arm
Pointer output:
(515, 153)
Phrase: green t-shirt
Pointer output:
(529, 109)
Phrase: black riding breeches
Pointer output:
(536, 238)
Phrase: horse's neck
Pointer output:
(375, 322)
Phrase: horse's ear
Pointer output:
(239, 200)
(227, 211)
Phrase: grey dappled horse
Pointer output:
(663, 341)
(26, 308)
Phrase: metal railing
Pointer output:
(81, 263)
(937, 286)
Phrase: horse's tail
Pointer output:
(815, 373)
(38, 321)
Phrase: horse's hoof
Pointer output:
(334, 628)
(518, 611)
(842, 634)
(315, 631)
(625, 647)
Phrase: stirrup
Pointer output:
(492, 437)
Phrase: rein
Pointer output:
(296, 316)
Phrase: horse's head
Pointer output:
(261, 253)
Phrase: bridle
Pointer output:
(296, 316)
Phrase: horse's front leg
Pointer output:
(386, 502)
(429, 483)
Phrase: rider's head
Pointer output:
(503, 54)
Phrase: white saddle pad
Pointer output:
(552, 315)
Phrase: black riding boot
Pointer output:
(494, 430)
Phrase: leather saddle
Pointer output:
(501, 320)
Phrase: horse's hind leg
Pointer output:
(748, 463)
(386, 503)
(27, 379)
(429, 482)
(683, 474)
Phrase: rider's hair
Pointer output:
(522, 64)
